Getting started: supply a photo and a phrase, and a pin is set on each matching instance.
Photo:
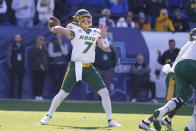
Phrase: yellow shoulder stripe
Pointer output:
(69, 27)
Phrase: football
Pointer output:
(53, 21)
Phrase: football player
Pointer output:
(184, 69)
(171, 92)
(191, 126)
(83, 40)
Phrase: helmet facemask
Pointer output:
(83, 20)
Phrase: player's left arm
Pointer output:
(102, 42)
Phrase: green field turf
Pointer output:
(24, 115)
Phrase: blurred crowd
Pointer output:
(54, 56)
(146, 15)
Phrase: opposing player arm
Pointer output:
(103, 44)
(61, 30)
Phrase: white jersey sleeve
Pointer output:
(70, 26)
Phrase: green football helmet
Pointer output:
(192, 35)
(77, 18)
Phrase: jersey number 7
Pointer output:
(88, 47)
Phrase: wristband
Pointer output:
(52, 29)
(105, 43)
